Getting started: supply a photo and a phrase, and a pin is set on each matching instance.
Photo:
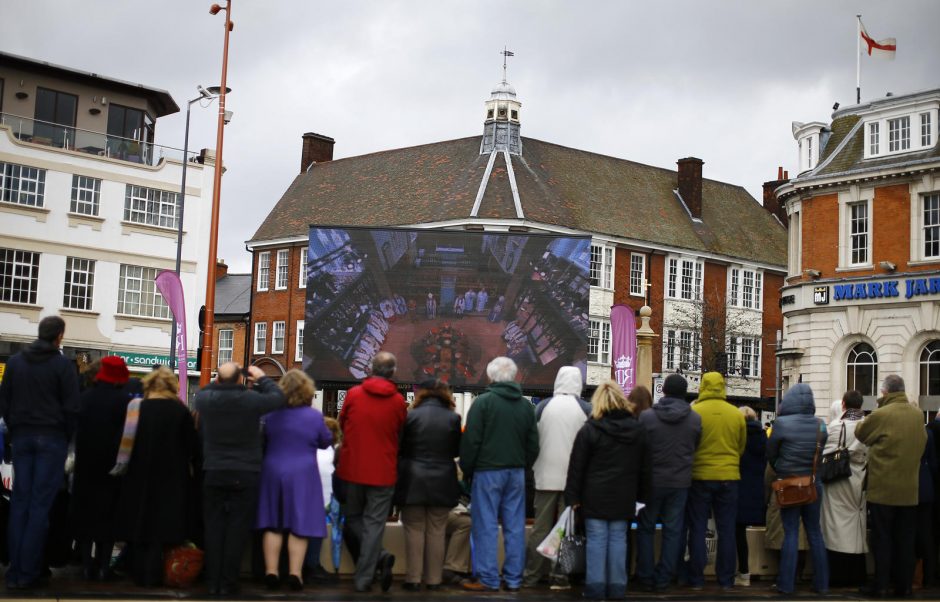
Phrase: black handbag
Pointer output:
(835, 466)
(571, 550)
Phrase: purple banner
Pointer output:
(623, 346)
(169, 285)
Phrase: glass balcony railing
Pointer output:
(86, 141)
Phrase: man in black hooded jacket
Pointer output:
(39, 403)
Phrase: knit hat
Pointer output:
(113, 370)
(675, 386)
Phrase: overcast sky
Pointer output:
(645, 81)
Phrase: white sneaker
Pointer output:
(742, 579)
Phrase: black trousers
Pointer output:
(925, 546)
(230, 500)
(893, 531)
(147, 563)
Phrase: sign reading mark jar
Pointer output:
(913, 287)
(821, 295)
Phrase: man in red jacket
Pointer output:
(371, 420)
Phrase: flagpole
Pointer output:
(858, 61)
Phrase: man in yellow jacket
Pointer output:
(715, 477)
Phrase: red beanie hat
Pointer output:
(113, 370)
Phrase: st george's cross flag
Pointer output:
(885, 48)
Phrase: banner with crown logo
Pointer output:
(623, 346)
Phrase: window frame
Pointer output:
(854, 236)
(18, 267)
(85, 191)
(31, 187)
(299, 342)
(69, 298)
(264, 271)
(148, 294)
(745, 347)
(260, 333)
(923, 226)
(874, 138)
(282, 269)
(601, 268)
(151, 207)
(684, 275)
(638, 277)
(899, 134)
(230, 349)
(602, 343)
(281, 325)
(926, 129)
(675, 350)
(854, 353)
(302, 271)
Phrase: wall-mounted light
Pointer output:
(94, 111)
(812, 273)
(888, 265)
(22, 95)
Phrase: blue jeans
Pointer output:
(498, 496)
(721, 499)
(667, 503)
(38, 473)
(606, 555)
(790, 517)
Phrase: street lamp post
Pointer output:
(204, 94)
(216, 191)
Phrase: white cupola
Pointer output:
(501, 126)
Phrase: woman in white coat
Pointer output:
(843, 506)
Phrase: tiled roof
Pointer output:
(233, 294)
(557, 185)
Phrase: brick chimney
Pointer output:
(316, 149)
(690, 184)
(771, 203)
(221, 269)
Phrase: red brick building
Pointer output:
(705, 254)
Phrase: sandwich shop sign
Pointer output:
(909, 288)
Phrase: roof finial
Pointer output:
(506, 53)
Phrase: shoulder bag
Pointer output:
(571, 550)
(797, 491)
(835, 465)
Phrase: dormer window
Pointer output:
(514, 114)
(899, 134)
(873, 138)
(925, 132)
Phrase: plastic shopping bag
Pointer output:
(549, 546)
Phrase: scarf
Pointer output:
(127, 437)
(853, 414)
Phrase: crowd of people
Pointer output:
(255, 460)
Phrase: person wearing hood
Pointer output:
(895, 436)
(372, 419)
(715, 476)
(39, 402)
(673, 433)
(229, 426)
(792, 451)
(559, 419)
(751, 505)
(609, 471)
(94, 490)
(500, 442)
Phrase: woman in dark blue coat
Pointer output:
(791, 450)
(751, 505)
(427, 486)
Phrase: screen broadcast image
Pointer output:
(445, 303)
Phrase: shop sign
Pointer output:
(913, 287)
(148, 360)
(821, 295)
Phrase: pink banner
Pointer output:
(169, 285)
(623, 346)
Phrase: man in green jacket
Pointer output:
(499, 443)
(895, 436)
(715, 477)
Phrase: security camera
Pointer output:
(227, 117)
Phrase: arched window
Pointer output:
(861, 371)
(930, 369)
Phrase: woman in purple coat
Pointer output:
(291, 495)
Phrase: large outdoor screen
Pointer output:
(445, 303)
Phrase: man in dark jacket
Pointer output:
(371, 419)
(499, 443)
(39, 403)
(673, 432)
(895, 436)
(229, 415)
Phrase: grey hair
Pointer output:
(501, 370)
(893, 384)
(384, 364)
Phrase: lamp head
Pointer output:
(216, 90)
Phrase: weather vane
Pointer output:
(506, 54)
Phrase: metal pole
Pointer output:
(214, 225)
(858, 61)
(179, 227)
(778, 383)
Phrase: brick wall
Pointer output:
(240, 339)
(714, 293)
(773, 321)
(278, 305)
